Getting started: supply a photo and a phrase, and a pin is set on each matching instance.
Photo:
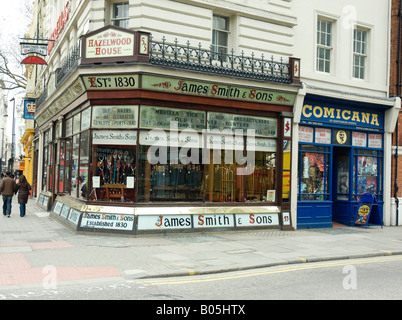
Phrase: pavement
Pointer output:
(35, 248)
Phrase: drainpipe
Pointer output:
(398, 93)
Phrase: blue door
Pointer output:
(314, 207)
(342, 186)
(331, 181)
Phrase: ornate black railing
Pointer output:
(208, 60)
(196, 59)
(62, 73)
(69, 64)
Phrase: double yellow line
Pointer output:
(267, 271)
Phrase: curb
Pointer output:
(297, 260)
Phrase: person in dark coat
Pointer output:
(7, 189)
(23, 188)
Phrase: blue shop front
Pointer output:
(341, 157)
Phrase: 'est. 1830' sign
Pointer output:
(111, 82)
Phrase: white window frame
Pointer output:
(324, 43)
(218, 48)
(360, 47)
(125, 20)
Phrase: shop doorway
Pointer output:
(342, 181)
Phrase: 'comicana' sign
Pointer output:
(217, 90)
(341, 116)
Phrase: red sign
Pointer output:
(33, 60)
(59, 27)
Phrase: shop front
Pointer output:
(133, 149)
(171, 164)
(341, 157)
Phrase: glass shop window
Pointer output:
(114, 172)
(67, 167)
(45, 167)
(314, 173)
(74, 165)
(50, 168)
(230, 179)
(367, 173)
(170, 173)
(62, 159)
(286, 170)
(47, 178)
(83, 183)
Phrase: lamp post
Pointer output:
(13, 138)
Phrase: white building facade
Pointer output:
(345, 49)
(118, 74)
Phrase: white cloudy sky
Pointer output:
(13, 20)
(13, 26)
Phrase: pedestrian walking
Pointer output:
(7, 188)
(23, 189)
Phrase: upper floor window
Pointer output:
(120, 14)
(220, 36)
(324, 45)
(359, 53)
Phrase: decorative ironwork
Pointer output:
(69, 65)
(206, 60)
(196, 59)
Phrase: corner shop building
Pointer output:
(140, 142)
(97, 126)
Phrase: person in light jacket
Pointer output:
(23, 188)
(7, 189)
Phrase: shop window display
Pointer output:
(62, 157)
(261, 184)
(74, 166)
(45, 167)
(313, 180)
(286, 171)
(367, 170)
(118, 166)
(114, 173)
(83, 184)
(222, 183)
(225, 184)
(171, 181)
(67, 167)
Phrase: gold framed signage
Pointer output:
(111, 82)
(217, 90)
(341, 137)
(115, 44)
